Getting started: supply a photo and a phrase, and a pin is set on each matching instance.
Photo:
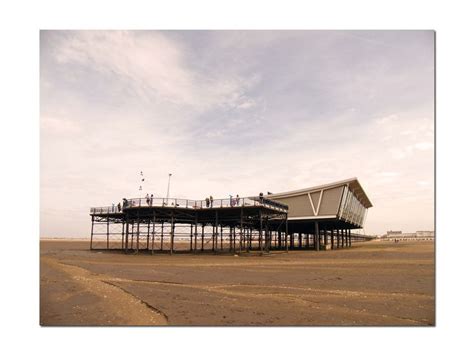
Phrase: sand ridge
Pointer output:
(115, 301)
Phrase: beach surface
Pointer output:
(372, 283)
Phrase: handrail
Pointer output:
(191, 204)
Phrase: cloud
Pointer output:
(245, 104)
(424, 146)
(232, 112)
(59, 126)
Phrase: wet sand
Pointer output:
(374, 283)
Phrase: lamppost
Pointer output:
(168, 192)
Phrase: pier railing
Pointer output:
(192, 204)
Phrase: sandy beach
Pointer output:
(372, 283)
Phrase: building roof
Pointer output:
(352, 183)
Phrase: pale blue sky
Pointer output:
(236, 112)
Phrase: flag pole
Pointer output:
(168, 192)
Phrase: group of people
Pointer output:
(267, 201)
(149, 200)
(209, 201)
(234, 201)
(118, 208)
(125, 203)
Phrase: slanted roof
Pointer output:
(352, 183)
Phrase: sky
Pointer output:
(235, 112)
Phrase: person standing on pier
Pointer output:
(237, 200)
(211, 200)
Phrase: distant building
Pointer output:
(417, 236)
(393, 233)
(425, 234)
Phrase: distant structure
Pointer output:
(317, 218)
(417, 236)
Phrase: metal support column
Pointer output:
(217, 230)
(126, 236)
(153, 234)
(107, 233)
(241, 229)
(268, 237)
(234, 237)
(138, 234)
(172, 233)
(213, 234)
(202, 237)
(148, 236)
(195, 232)
(92, 231)
(161, 242)
(123, 226)
(316, 236)
(222, 240)
(260, 244)
(250, 239)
